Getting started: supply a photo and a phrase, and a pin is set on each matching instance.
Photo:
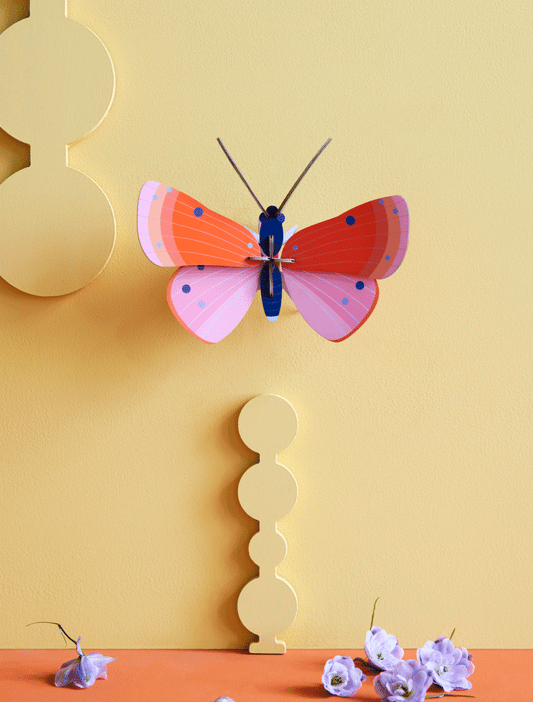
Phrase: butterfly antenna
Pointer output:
(241, 176)
(300, 178)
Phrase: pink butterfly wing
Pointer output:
(335, 305)
(210, 301)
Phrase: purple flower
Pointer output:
(382, 649)
(407, 681)
(84, 670)
(449, 666)
(341, 677)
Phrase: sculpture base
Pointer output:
(267, 647)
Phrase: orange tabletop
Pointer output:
(202, 676)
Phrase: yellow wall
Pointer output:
(120, 453)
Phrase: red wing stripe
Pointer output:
(342, 261)
(231, 261)
(187, 213)
(208, 214)
(334, 224)
(334, 227)
(223, 239)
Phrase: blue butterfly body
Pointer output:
(271, 241)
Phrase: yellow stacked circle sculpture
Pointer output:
(56, 85)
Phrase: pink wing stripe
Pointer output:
(211, 302)
(403, 215)
(149, 225)
(150, 230)
(331, 303)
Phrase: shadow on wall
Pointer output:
(229, 506)
(14, 154)
(12, 11)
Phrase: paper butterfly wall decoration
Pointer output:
(328, 269)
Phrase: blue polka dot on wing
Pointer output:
(359, 285)
(186, 288)
(169, 190)
(395, 210)
(154, 197)
(201, 268)
(198, 212)
(295, 248)
(344, 300)
(250, 245)
(382, 202)
(387, 258)
(201, 304)
(350, 220)
(159, 244)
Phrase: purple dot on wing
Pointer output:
(395, 210)
(387, 258)
(169, 190)
(359, 285)
(295, 248)
(154, 197)
(159, 244)
(201, 268)
(382, 202)
(198, 212)
(186, 288)
(350, 220)
(344, 300)
(201, 304)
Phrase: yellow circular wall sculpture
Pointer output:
(56, 85)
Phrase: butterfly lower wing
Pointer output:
(369, 240)
(335, 305)
(176, 230)
(210, 301)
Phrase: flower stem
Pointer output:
(373, 612)
(60, 627)
(368, 664)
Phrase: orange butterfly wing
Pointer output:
(369, 240)
(176, 230)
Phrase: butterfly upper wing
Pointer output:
(333, 304)
(176, 230)
(369, 240)
(210, 301)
